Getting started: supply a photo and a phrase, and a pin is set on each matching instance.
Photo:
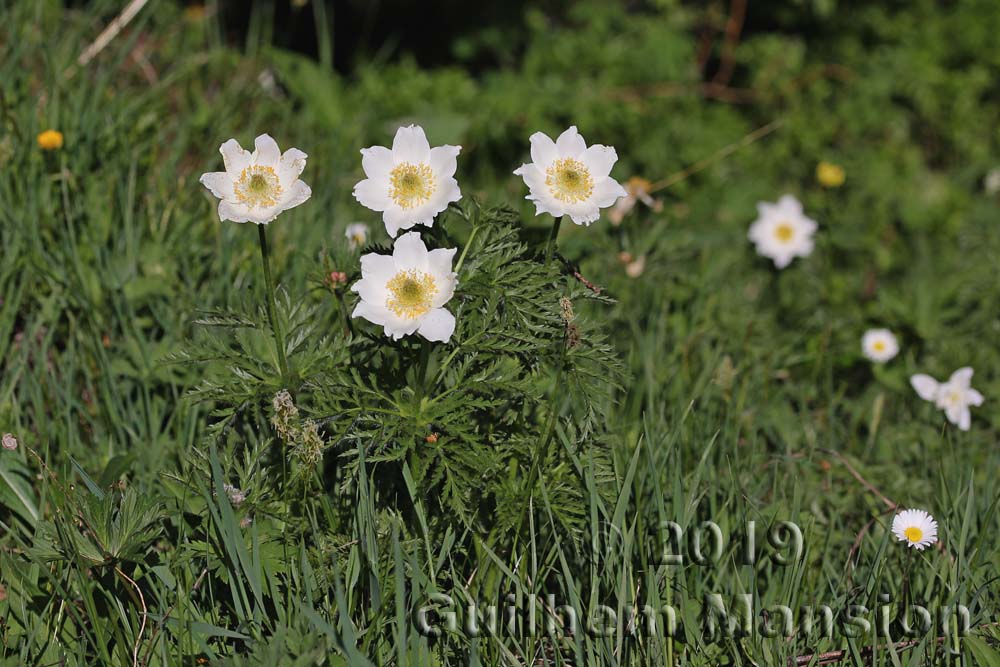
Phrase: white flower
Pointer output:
(782, 232)
(954, 396)
(357, 235)
(405, 292)
(915, 527)
(411, 183)
(257, 187)
(9, 441)
(567, 178)
(879, 345)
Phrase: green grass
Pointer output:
(137, 360)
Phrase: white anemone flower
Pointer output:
(411, 183)
(405, 292)
(954, 396)
(565, 177)
(879, 345)
(357, 235)
(915, 527)
(257, 187)
(782, 232)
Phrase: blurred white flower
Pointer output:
(954, 396)
(357, 235)
(405, 292)
(565, 177)
(782, 232)
(9, 441)
(411, 183)
(638, 191)
(257, 187)
(915, 527)
(879, 345)
(992, 181)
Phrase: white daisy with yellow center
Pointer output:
(357, 235)
(410, 183)
(879, 345)
(782, 232)
(257, 187)
(565, 177)
(915, 527)
(405, 292)
(954, 396)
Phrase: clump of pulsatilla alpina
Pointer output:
(569, 317)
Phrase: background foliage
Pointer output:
(135, 363)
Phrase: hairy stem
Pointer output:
(279, 339)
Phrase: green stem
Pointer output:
(279, 339)
(468, 244)
(550, 248)
(348, 329)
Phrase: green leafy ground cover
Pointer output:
(530, 456)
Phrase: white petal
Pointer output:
(444, 160)
(377, 268)
(410, 145)
(295, 195)
(439, 266)
(962, 377)
(543, 150)
(234, 212)
(599, 160)
(584, 213)
(266, 151)
(409, 252)
(219, 183)
(373, 194)
(570, 143)
(376, 162)
(533, 177)
(781, 260)
(964, 419)
(291, 166)
(789, 205)
(235, 158)
(396, 219)
(974, 397)
(607, 192)
(437, 325)
(925, 386)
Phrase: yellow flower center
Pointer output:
(258, 186)
(411, 293)
(569, 181)
(914, 534)
(879, 346)
(411, 185)
(784, 232)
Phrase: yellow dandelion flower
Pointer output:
(50, 140)
(830, 175)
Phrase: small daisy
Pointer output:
(565, 177)
(257, 187)
(411, 183)
(915, 527)
(405, 292)
(879, 345)
(357, 235)
(954, 396)
(782, 232)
